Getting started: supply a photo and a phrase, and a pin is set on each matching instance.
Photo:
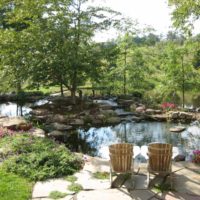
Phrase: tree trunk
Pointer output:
(19, 87)
(93, 93)
(125, 72)
(183, 82)
(73, 95)
(61, 90)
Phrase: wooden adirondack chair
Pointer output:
(160, 160)
(121, 159)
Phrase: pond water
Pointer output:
(12, 109)
(95, 141)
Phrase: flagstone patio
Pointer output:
(186, 183)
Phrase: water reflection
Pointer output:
(95, 140)
(13, 109)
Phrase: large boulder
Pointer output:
(96, 121)
(133, 107)
(39, 112)
(77, 122)
(56, 134)
(58, 126)
(37, 132)
(185, 115)
(113, 120)
(105, 107)
(58, 118)
(12, 122)
(150, 111)
(140, 109)
(108, 112)
(182, 116)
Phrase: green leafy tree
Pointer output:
(185, 13)
(179, 72)
(58, 47)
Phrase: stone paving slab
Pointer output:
(140, 182)
(85, 178)
(110, 194)
(179, 196)
(94, 164)
(186, 182)
(43, 189)
(143, 195)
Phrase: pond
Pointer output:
(12, 109)
(95, 141)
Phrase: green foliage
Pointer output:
(57, 195)
(75, 187)
(39, 158)
(51, 43)
(47, 45)
(186, 12)
(71, 178)
(101, 175)
(14, 187)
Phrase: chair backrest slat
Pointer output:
(160, 155)
(121, 156)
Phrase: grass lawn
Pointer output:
(13, 187)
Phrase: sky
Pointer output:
(155, 13)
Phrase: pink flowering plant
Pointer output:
(196, 156)
(5, 132)
(168, 106)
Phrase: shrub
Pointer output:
(40, 158)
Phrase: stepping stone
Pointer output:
(177, 129)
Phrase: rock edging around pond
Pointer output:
(20, 124)
(60, 115)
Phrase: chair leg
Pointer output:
(111, 178)
(148, 179)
